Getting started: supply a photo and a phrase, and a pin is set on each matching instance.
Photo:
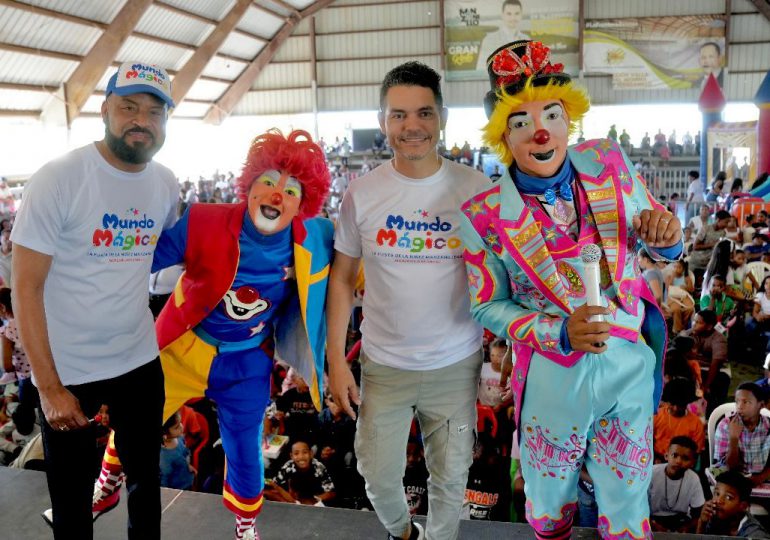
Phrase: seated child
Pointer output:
(488, 491)
(676, 494)
(301, 463)
(727, 513)
(416, 478)
(175, 469)
(295, 406)
(674, 419)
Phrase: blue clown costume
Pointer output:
(216, 332)
(526, 277)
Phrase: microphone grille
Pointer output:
(590, 253)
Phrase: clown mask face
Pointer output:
(274, 200)
(537, 137)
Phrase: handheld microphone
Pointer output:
(591, 254)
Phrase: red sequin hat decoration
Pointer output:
(511, 65)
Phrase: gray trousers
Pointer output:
(445, 402)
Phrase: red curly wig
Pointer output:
(299, 156)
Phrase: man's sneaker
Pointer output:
(8, 378)
(417, 533)
(47, 516)
(101, 507)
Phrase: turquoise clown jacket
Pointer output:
(516, 288)
(211, 264)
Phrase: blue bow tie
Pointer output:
(559, 185)
(563, 190)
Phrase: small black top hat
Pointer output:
(511, 65)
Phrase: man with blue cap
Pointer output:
(85, 236)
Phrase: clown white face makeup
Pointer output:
(537, 137)
(274, 200)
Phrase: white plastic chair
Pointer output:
(759, 270)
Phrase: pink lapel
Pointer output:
(604, 194)
(520, 236)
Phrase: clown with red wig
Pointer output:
(255, 278)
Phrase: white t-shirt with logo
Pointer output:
(416, 305)
(101, 226)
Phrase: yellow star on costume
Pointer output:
(630, 297)
(475, 209)
(549, 233)
(613, 307)
(549, 342)
(491, 239)
(605, 145)
(473, 280)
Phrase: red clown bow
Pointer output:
(536, 60)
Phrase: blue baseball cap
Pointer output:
(139, 78)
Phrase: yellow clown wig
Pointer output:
(574, 98)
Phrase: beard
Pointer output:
(137, 154)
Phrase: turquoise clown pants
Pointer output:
(597, 412)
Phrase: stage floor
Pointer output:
(198, 516)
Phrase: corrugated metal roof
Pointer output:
(27, 29)
(294, 48)
(206, 90)
(610, 9)
(300, 4)
(170, 25)
(241, 46)
(303, 27)
(746, 57)
(276, 8)
(152, 52)
(17, 100)
(276, 76)
(744, 86)
(224, 68)
(357, 98)
(371, 17)
(743, 6)
(31, 69)
(215, 10)
(275, 101)
(342, 32)
(260, 23)
(386, 43)
(191, 109)
(94, 104)
(366, 71)
(749, 28)
(99, 10)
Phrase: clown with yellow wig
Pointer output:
(255, 277)
(587, 378)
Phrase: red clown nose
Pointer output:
(541, 136)
(276, 198)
